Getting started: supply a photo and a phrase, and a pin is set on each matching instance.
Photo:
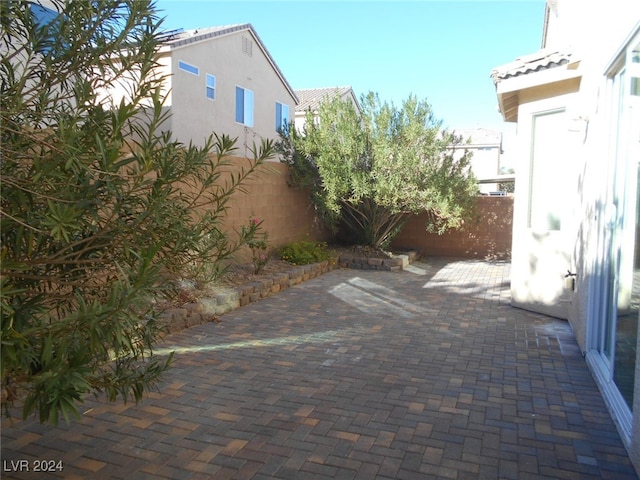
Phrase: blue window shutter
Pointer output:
(278, 116)
(239, 105)
(47, 22)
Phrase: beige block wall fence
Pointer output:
(286, 212)
(489, 237)
(289, 216)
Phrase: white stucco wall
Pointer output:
(595, 33)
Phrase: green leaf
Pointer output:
(97, 222)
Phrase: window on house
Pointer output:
(244, 106)
(187, 67)
(47, 21)
(282, 116)
(42, 15)
(211, 87)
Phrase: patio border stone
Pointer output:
(209, 309)
(397, 262)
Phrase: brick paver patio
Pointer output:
(428, 373)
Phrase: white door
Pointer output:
(545, 194)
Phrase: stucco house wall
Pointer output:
(574, 75)
(236, 57)
(486, 147)
(223, 58)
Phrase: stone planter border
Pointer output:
(227, 299)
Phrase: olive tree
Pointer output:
(100, 207)
(368, 169)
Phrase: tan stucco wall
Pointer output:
(195, 117)
(489, 237)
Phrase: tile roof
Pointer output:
(480, 136)
(179, 38)
(541, 60)
(310, 98)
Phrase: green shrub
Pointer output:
(304, 252)
(100, 207)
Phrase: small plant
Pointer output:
(304, 252)
(259, 244)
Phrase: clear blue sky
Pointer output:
(443, 51)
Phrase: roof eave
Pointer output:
(509, 89)
(229, 31)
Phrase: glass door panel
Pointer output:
(620, 327)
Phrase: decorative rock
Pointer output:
(193, 319)
(246, 289)
(254, 297)
(209, 305)
(194, 308)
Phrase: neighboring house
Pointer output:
(486, 147)
(310, 99)
(223, 80)
(576, 234)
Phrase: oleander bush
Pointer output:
(100, 206)
(368, 169)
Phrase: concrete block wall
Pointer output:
(289, 216)
(489, 237)
(287, 211)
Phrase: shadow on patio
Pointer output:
(428, 373)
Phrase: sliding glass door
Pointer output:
(615, 322)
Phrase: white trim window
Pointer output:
(210, 88)
(187, 67)
(244, 106)
(282, 116)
